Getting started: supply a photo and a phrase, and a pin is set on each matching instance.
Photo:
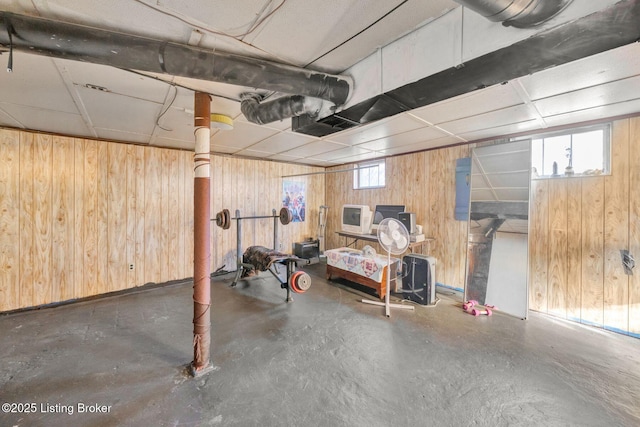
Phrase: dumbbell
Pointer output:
(477, 312)
(469, 305)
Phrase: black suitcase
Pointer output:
(419, 278)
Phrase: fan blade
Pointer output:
(401, 242)
(385, 239)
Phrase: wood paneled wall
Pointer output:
(255, 188)
(75, 213)
(425, 183)
(578, 228)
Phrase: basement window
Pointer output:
(369, 175)
(576, 152)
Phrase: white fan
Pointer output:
(394, 238)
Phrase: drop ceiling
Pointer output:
(89, 100)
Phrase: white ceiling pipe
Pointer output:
(517, 13)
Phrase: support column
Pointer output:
(201, 249)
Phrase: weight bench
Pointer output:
(260, 258)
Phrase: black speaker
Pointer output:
(419, 278)
(408, 219)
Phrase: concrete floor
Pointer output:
(324, 360)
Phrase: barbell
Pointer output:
(223, 218)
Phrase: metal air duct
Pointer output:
(278, 109)
(81, 43)
(517, 13)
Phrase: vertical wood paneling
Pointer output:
(164, 236)
(90, 221)
(63, 215)
(538, 245)
(557, 250)
(9, 220)
(117, 216)
(42, 221)
(153, 215)
(135, 214)
(227, 241)
(78, 220)
(179, 211)
(574, 249)
(172, 205)
(102, 231)
(634, 224)
(27, 256)
(616, 230)
(592, 250)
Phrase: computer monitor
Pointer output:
(356, 219)
(386, 211)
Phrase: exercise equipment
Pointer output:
(469, 305)
(477, 312)
(322, 225)
(300, 282)
(223, 218)
(299, 285)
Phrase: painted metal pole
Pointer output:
(201, 248)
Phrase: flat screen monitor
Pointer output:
(386, 211)
(356, 219)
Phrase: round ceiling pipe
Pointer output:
(87, 44)
(517, 13)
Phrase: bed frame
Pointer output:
(379, 288)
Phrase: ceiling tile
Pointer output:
(500, 131)
(422, 145)
(130, 114)
(284, 157)
(319, 162)
(341, 153)
(595, 96)
(314, 148)
(172, 143)
(7, 120)
(118, 135)
(418, 135)
(494, 98)
(253, 153)
(597, 113)
(282, 141)
(115, 80)
(49, 120)
(36, 82)
(242, 136)
(605, 67)
(383, 128)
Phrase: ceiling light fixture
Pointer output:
(220, 121)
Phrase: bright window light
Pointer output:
(574, 152)
(369, 175)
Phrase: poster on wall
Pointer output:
(294, 199)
